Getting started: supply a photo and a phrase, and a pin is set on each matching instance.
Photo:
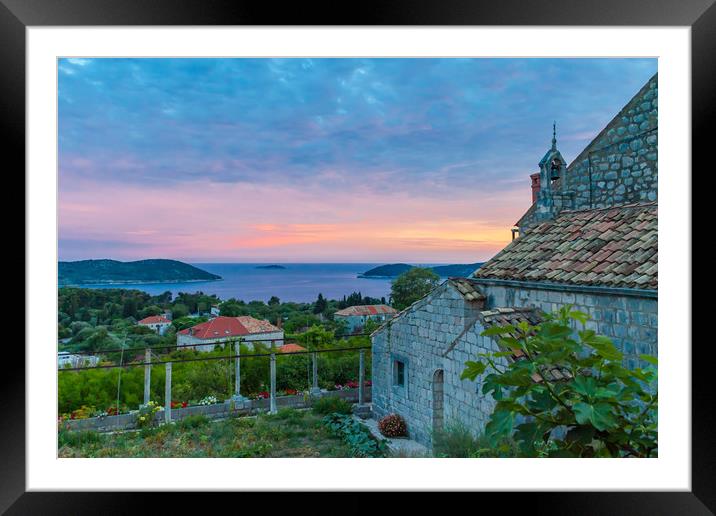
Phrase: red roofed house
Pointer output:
(356, 316)
(229, 329)
(158, 323)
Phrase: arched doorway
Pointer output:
(438, 400)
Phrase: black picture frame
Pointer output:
(700, 15)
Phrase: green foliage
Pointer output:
(290, 433)
(77, 439)
(94, 319)
(356, 299)
(194, 421)
(331, 404)
(456, 440)
(320, 305)
(601, 410)
(411, 286)
(357, 436)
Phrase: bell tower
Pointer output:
(552, 174)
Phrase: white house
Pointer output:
(67, 359)
(157, 323)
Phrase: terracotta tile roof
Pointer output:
(467, 288)
(504, 316)
(229, 327)
(257, 325)
(513, 316)
(610, 247)
(290, 348)
(154, 319)
(367, 310)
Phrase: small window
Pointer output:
(399, 373)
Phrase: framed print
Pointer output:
(267, 251)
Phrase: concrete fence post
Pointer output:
(168, 393)
(147, 374)
(361, 377)
(272, 407)
(315, 391)
(238, 370)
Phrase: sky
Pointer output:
(316, 160)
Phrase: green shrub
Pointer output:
(608, 410)
(77, 439)
(358, 437)
(330, 405)
(194, 421)
(289, 415)
(145, 415)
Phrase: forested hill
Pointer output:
(444, 271)
(142, 271)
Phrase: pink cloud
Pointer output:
(249, 222)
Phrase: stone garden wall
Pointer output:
(215, 411)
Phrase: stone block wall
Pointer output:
(465, 404)
(418, 337)
(629, 320)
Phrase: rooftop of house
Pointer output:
(229, 327)
(290, 348)
(609, 247)
(154, 319)
(367, 310)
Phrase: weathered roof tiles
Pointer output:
(467, 288)
(610, 247)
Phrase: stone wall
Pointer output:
(418, 337)
(629, 320)
(619, 166)
(442, 332)
(464, 402)
(215, 411)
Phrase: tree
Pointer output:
(602, 408)
(411, 286)
(179, 310)
(320, 305)
(274, 301)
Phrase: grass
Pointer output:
(457, 441)
(289, 433)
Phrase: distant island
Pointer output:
(271, 267)
(87, 272)
(444, 271)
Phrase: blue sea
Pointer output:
(299, 282)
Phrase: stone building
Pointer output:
(589, 239)
(356, 316)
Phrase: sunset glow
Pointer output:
(322, 160)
